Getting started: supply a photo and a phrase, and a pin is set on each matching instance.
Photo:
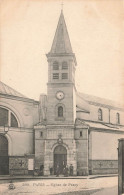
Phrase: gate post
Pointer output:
(121, 166)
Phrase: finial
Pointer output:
(62, 6)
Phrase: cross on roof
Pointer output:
(61, 42)
(62, 5)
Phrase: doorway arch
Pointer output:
(4, 158)
(60, 158)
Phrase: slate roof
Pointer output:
(61, 43)
(97, 100)
(83, 100)
(6, 90)
(99, 126)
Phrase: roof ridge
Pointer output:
(11, 91)
(97, 99)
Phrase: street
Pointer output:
(97, 186)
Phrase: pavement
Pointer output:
(85, 185)
(16, 177)
(108, 191)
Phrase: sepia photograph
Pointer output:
(62, 97)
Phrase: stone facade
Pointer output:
(64, 127)
(45, 145)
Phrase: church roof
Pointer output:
(6, 90)
(61, 43)
(100, 101)
(99, 125)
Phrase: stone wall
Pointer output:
(49, 154)
(103, 153)
(108, 116)
(18, 165)
(45, 145)
(26, 110)
(20, 141)
(68, 117)
(82, 151)
(104, 144)
(39, 153)
(21, 165)
(40, 136)
(103, 166)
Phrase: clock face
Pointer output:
(60, 95)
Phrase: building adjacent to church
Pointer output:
(64, 127)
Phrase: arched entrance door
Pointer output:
(4, 159)
(60, 158)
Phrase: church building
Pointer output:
(65, 127)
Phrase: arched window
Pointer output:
(60, 111)
(64, 65)
(100, 114)
(55, 65)
(117, 118)
(14, 122)
(7, 118)
(3, 116)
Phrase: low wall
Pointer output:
(21, 165)
(103, 167)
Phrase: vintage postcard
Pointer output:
(61, 97)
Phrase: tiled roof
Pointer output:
(6, 90)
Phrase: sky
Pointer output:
(95, 29)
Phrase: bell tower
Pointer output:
(61, 108)
(59, 142)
